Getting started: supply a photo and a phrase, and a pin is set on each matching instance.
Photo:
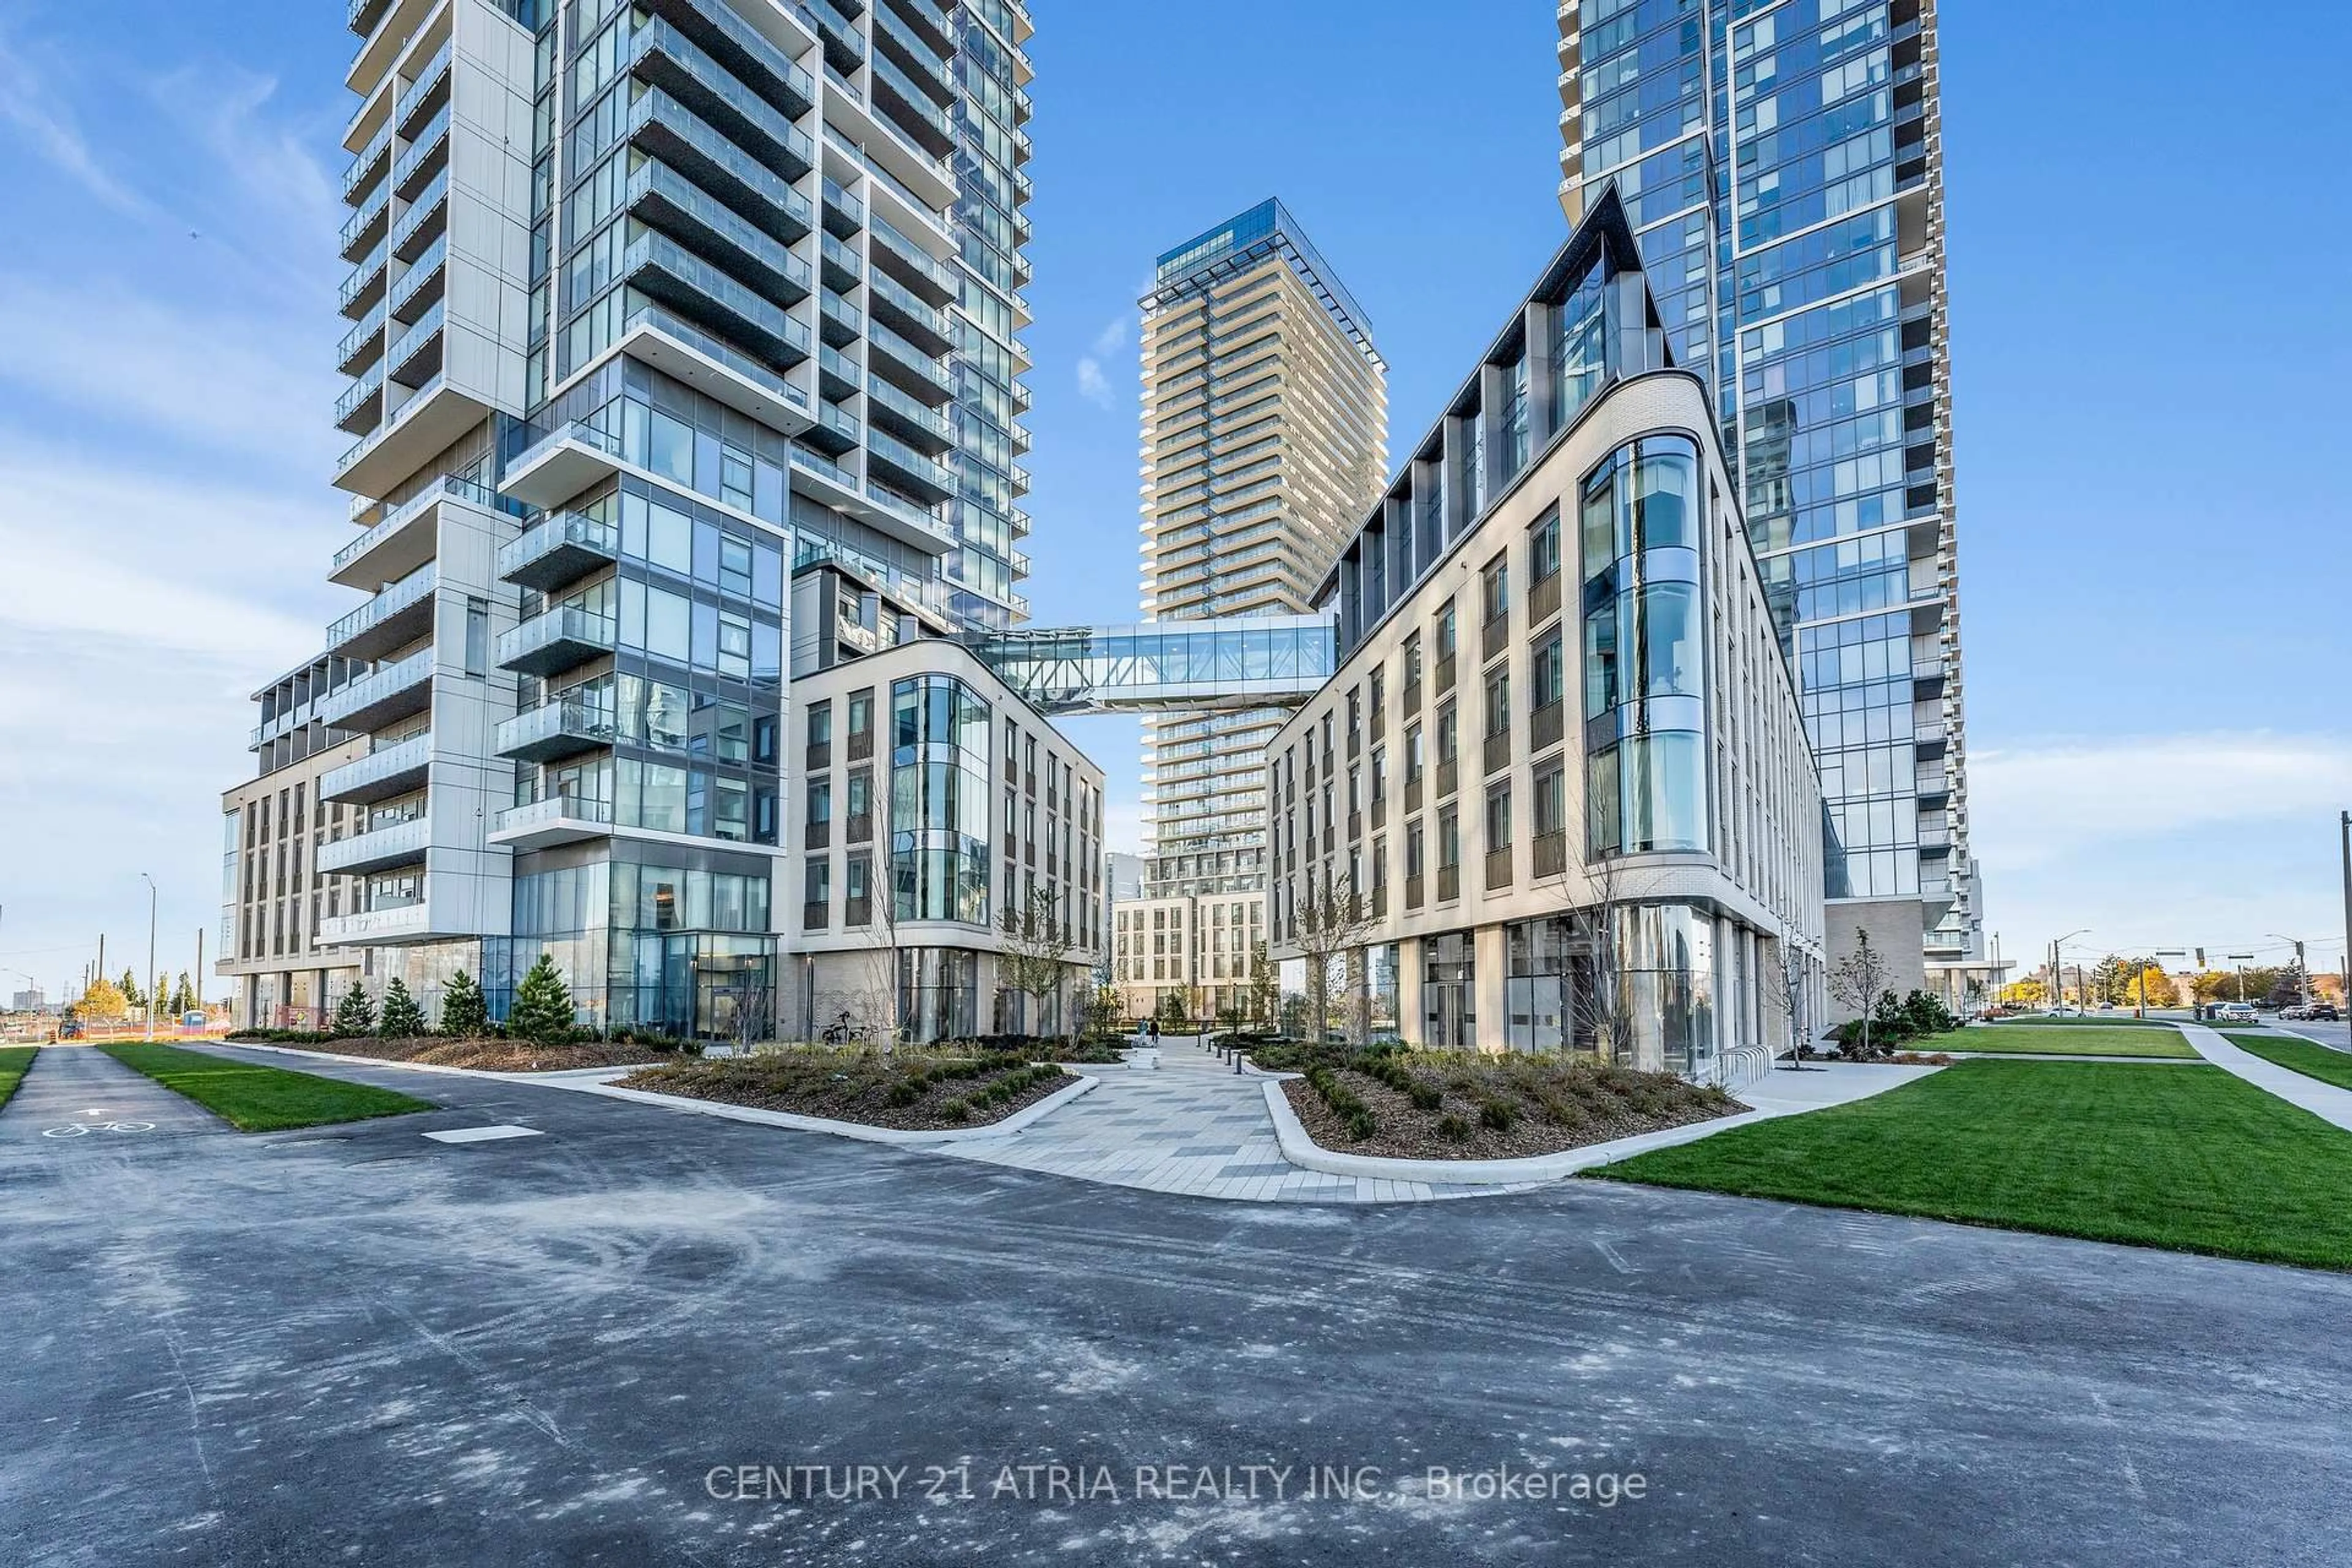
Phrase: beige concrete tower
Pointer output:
(1265, 438)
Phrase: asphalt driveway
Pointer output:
(627, 1338)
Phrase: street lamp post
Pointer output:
(2057, 970)
(150, 952)
(2239, 961)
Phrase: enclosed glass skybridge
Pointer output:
(1242, 662)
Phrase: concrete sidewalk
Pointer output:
(2324, 1101)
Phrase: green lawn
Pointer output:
(261, 1099)
(2302, 1056)
(15, 1061)
(2092, 1020)
(2050, 1039)
(2188, 1158)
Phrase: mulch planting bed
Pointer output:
(1491, 1109)
(909, 1092)
(493, 1056)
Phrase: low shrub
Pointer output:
(956, 1111)
(1452, 1129)
(1344, 1102)
(1498, 1115)
(281, 1036)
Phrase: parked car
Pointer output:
(2315, 1013)
(2237, 1013)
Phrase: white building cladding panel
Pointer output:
(1567, 694)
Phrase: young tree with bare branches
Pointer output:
(1034, 959)
(1856, 981)
(1330, 930)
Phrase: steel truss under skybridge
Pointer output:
(1241, 662)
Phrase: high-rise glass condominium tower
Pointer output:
(1782, 165)
(1264, 436)
(654, 308)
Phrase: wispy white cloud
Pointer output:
(2038, 802)
(1093, 384)
(30, 103)
(253, 383)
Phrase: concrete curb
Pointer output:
(559, 1079)
(904, 1138)
(1301, 1149)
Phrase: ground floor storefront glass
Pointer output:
(938, 993)
(1449, 992)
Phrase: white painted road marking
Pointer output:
(482, 1135)
(76, 1129)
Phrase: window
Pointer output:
(478, 638)
(1498, 700)
(1543, 549)
(1413, 755)
(1446, 635)
(1412, 659)
(820, 725)
(1547, 672)
(1494, 588)
(1498, 817)
(1449, 737)
(1449, 839)
(1551, 801)
(820, 800)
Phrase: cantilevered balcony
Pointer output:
(363, 15)
(836, 429)
(896, 306)
(416, 357)
(363, 344)
(426, 93)
(908, 110)
(363, 288)
(423, 283)
(361, 406)
(926, 66)
(368, 166)
(564, 637)
(426, 156)
(918, 269)
(844, 214)
(746, 52)
(665, 57)
(715, 367)
(387, 771)
(845, 47)
(396, 615)
(837, 376)
(383, 698)
(558, 549)
(838, 322)
(560, 464)
(924, 428)
(930, 23)
(426, 220)
(662, 126)
(922, 373)
(669, 201)
(404, 538)
(700, 292)
(563, 728)
(365, 226)
(559, 819)
(378, 849)
(902, 467)
(838, 265)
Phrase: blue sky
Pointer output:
(2148, 316)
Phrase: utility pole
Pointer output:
(150, 952)
(2347, 913)
(200, 969)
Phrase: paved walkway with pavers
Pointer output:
(1192, 1126)
(2324, 1101)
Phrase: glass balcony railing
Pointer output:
(542, 548)
(844, 46)
(920, 263)
(555, 728)
(409, 592)
(654, 318)
(355, 341)
(370, 213)
(367, 165)
(392, 844)
(435, 71)
(362, 15)
(554, 808)
(842, 258)
(881, 395)
(889, 294)
(407, 511)
(926, 113)
(363, 387)
(431, 137)
(792, 84)
(698, 208)
(666, 128)
(421, 271)
(662, 266)
(364, 278)
(562, 638)
(846, 317)
(927, 367)
(914, 467)
(839, 203)
(661, 53)
(406, 346)
(578, 430)
(925, 59)
(388, 770)
(379, 688)
(840, 372)
(428, 201)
